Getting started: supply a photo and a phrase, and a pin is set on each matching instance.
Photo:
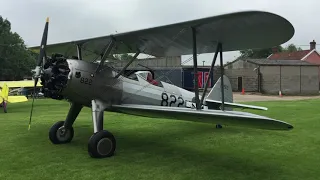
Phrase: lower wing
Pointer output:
(235, 105)
(207, 116)
(17, 99)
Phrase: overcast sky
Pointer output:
(78, 19)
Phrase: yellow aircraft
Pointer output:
(4, 92)
(16, 84)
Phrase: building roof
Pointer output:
(297, 55)
(281, 62)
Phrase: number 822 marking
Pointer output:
(85, 80)
(166, 102)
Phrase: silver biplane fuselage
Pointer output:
(83, 84)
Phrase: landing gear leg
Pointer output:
(62, 131)
(102, 143)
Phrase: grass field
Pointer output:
(161, 149)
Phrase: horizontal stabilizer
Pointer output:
(236, 118)
(235, 105)
(17, 99)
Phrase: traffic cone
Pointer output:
(242, 92)
(280, 93)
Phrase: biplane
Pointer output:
(103, 88)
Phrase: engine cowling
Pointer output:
(55, 76)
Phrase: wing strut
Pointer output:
(195, 68)
(222, 84)
(128, 64)
(106, 54)
(79, 51)
(210, 71)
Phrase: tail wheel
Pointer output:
(58, 134)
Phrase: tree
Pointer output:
(259, 53)
(16, 61)
(292, 48)
(264, 53)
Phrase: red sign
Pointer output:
(206, 76)
(200, 79)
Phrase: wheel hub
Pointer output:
(63, 134)
(104, 146)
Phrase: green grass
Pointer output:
(161, 149)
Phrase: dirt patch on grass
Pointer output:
(238, 97)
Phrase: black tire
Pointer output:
(101, 144)
(57, 138)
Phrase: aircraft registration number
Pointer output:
(87, 81)
(171, 100)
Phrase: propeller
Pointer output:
(41, 61)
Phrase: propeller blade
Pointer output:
(43, 43)
(41, 61)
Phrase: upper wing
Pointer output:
(207, 116)
(16, 84)
(236, 105)
(236, 31)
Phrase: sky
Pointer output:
(80, 19)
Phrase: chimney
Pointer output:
(274, 50)
(312, 45)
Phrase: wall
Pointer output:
(188, 77)
(309, 80)
(270, 79)
(291, 80)
(169, 75)
(314, 58)
(247, 71)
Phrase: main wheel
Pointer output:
(60, 135)
(101, 144)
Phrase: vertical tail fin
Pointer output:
(215, 93)
(214, 97)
